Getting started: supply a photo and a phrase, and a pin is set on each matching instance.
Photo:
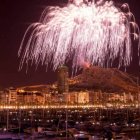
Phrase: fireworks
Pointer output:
(94, 32)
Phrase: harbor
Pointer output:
(70, 123)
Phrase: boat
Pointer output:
(8, 136)
(81, 137)
(130, 127)
(121, 136)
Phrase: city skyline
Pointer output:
(16, 17)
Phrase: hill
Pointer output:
(104, 79)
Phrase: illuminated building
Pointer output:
(30, 97)
(62, 75)
(12, 95)
(20, 98)
(4, 99)
(1, 97)
(80, 97)
(83, 97)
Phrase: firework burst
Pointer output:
(95, 32)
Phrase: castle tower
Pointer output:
(62, 75)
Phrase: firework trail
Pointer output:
(95, 32)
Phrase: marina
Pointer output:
(75, 123)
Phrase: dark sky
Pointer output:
(15, 17)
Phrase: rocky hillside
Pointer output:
(105, 79)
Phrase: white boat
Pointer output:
(81, 135)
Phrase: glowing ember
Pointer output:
(95, 32)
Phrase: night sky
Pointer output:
(15, 17)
